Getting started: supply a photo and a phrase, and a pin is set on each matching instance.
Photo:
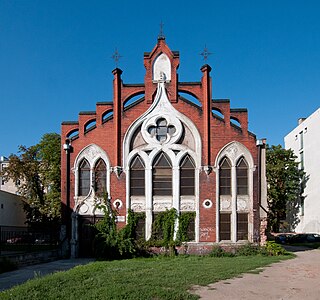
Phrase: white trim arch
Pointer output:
(234, 150)
(235, 203)
(162, 108)
(92, 153)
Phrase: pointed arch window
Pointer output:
(137, 177)
(187, 177)
(225, 177)
(84, 178)
(100, 178)
(242, 177)
(162, 176)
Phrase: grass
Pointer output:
(142, 278)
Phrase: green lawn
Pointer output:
(142, 278)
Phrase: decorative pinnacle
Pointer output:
(205, 53)
(161, 34)
(116, 57)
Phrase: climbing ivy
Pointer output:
(184, 221)
(133, 218)
(106, 239)
(113, 243)
(163, 227)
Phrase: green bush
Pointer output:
(184, 222)
(111, 243)
(163, 227)
(247, 250)
(217, 251)
(274, 249)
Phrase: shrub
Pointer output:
(217, 251)
(111, 243)
(163, 227)
(274, 249)
(185, 220)
(247, 250)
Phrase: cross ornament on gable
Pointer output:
(205, 53)
(161, 130)
(116, 57)
(161, 34)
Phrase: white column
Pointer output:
(197, 204)
(233, 204)
(217, 206)
(128, 204)
(176, 194)
(148, 185)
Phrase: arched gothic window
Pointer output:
(187, 177)
(242, 177)
(137, 177)
(84, 178)
(225, 177)
(100, 177)
(162, 176)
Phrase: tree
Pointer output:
(284, 180)
(37, 170)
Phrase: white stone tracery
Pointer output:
(234, 151)
(85, 205)
(163, 109)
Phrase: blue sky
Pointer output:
(55, 58)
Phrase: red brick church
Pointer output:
(164, 144)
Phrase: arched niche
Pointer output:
(161, 67)
(73, 134)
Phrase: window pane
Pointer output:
(187, 191)
(100, 177)
(187, 177)
(242, 177)
(137, 191)
(225, 226)
(162, 176)
(242, 190)
(136, 182)
(225, 177)
(137, 177)
(84, 178)
(242, 226)
(187, 182)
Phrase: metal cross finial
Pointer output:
(205, 53)
(116, 57)
(161, 35)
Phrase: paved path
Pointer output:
(10, 279)
(293, 279)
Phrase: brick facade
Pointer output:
(109, 127)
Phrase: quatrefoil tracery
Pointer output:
(161, 130)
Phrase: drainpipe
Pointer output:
(67, 147)
(262, 190)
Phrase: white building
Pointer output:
(11, 210)
(11, 204)
(6, 186)
(304, 140)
